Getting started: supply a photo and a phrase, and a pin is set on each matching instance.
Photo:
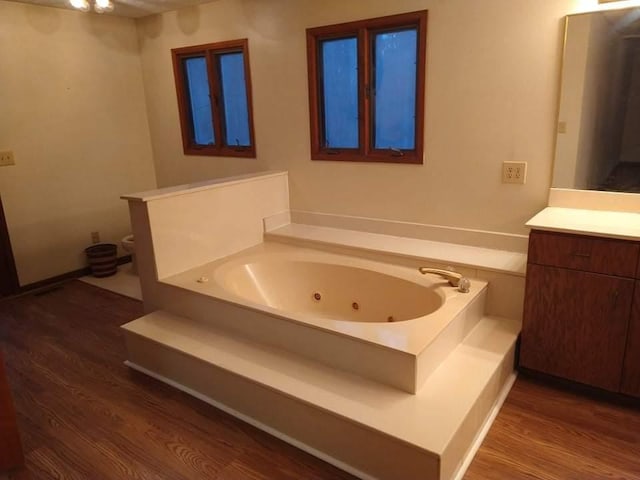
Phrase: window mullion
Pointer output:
(214, 93)
(364, 90)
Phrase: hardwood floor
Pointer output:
(83, 415)
(10, 449)
(549, 433)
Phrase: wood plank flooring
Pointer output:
(10, 449)
(83, 415)
(548, 433)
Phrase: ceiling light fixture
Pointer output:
(99, 6)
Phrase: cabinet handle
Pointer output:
(582, 255)
(615, 296)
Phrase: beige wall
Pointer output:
(492, 89)
(73, 112)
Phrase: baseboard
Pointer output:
(64, 277)
(577, 388)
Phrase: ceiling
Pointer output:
(127, 8)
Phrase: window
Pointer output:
(214, 99)
(366, 89)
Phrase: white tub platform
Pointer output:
(367, 428)
(401, 354)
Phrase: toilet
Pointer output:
(129, 246)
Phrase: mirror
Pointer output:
(598, 136)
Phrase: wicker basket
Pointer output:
(103, 259)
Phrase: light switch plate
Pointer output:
(514, 172)
(6, 158)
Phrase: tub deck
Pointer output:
(410, 337)
(401, 354)
(369, 429)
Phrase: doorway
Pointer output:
(8, 273)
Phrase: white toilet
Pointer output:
(129, 246)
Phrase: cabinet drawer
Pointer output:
(588, 254)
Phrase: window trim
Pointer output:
(210, 51)
(364, 31)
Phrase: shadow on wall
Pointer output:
(45, 21)
(271, 20)
(188, 20)
(107, 29)
(150, 27)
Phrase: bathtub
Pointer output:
(383, 321)
(332, 291)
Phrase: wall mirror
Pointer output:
(598, 135)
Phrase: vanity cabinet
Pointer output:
(581, 315)
(631, 372)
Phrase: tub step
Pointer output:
(361, 426)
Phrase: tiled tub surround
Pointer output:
(266, 293)
(401, 399)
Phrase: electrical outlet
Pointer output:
(562, 127)
(514, 172)
(6, 158)
(95, 237)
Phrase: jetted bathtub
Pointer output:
(329, 290)
(383, 321)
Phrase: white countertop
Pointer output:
(447, 253)
(600, 223)
(198, 186)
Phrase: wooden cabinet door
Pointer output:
(10, 449)
(631, 372)
(575, 325)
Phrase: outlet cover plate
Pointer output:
(514, 172)
(6, 158)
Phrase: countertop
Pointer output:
(599, 223)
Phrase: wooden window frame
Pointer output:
(210, 51)
(365, 31)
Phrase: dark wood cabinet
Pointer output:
(576, 325)
(10, 449)
(631, 372)
(581, 315)
(583, 253)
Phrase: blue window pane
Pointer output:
(395, 59)
(198, 93)
(234, 99)
(340, 92)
